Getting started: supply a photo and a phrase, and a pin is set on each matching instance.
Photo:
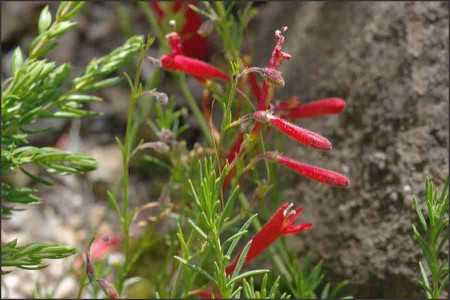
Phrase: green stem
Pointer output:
(181, 80)
(134, 95)
(229, 45)
(154, 24)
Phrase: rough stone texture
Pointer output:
(389, 60)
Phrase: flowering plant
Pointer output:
(204, 209)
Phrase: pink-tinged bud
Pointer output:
(306, 137)
(157, 146)
(161, 97)
(166, 136)
(155, 61)
(281, 223)
(271, 75)
(192, 67)
(90, 268)
(321, 175)
(108, 288)
(206, 28)
(317, 108)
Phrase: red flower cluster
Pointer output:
(292, 109)
(281, 223)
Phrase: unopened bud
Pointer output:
(155, 61)
(270, 74)
(206, 28)
(161, 97)
(90, 268)
(108, 288)
(157, 146)
(166, 135)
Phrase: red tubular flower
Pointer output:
(192, 67)
(306, 137)
(281, 223)
(321, 175)
(275, 62)
(316, 108)
(176, 61)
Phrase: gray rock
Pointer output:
(390, 62)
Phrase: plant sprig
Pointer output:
(434, 228)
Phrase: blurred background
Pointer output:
(388, 60)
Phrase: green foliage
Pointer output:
(30, 257)
(207, 228)
(307, 280)
(434, 226)
(250, 292)
(41, 89)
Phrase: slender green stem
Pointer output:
(181, 80)
(178, 278)
(154, 24)
(228, 41)
(126, 155)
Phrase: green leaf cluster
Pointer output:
(434, 236)
(40, 89)
(30, 257)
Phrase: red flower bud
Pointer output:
(281, 223)
(321, 175)
(316, 108)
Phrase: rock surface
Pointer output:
(389, 60)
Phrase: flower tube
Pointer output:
(313, 109)
(315, 173)
(301, 135)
